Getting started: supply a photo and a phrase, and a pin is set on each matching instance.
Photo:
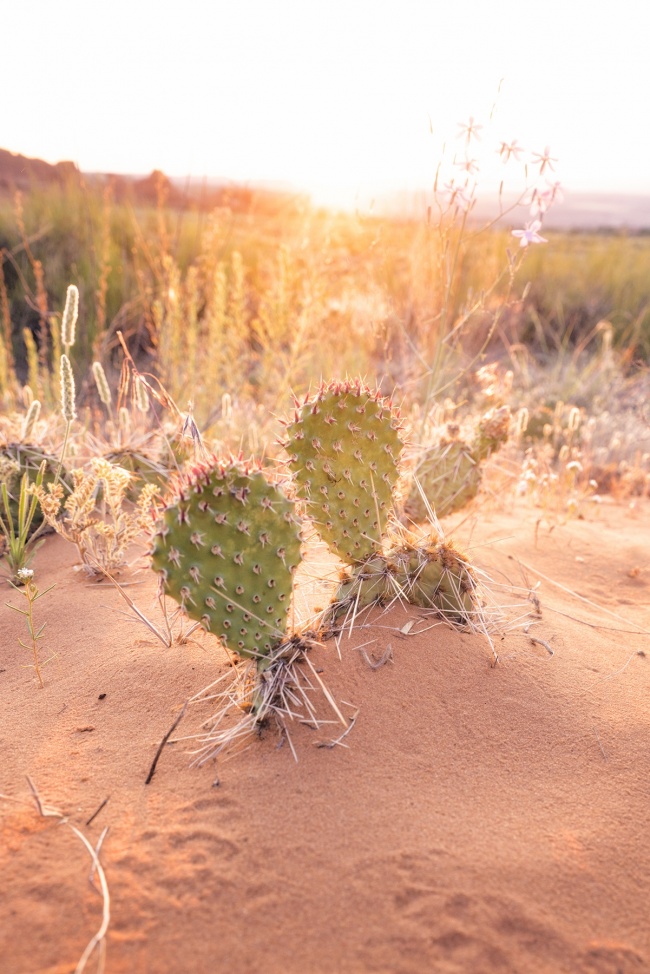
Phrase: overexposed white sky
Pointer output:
(343, 96)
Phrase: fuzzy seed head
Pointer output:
(67, 390)
(31, 418)
(141, 395)
(70, 315)
(102, 383)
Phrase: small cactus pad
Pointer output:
(440, 577)
(423, 570)
(449, 477)
(226, 548)
(449, 473)
(344, 447)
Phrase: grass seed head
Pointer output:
(67, 390)
(70, 315)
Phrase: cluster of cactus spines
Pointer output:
(448, 474)
(344, 446)
(226, 548)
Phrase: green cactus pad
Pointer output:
(344, 447)
(226, 548)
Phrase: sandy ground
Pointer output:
(482, 819)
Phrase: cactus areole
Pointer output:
(226, 548)
(344, 448)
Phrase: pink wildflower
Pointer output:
(529, 234)
(455, 195)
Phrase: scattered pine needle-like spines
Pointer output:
(251, 700)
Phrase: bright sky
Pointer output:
(336, 96)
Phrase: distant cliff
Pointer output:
(21, 172)
(18, 172)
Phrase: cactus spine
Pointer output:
(226, 549)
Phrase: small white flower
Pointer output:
(544, 160)
(469, 129)
(24, 574)
(529, 234)
(455, 195)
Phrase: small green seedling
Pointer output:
(31, 593)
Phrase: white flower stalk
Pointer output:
(70, 315)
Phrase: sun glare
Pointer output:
(340, 99)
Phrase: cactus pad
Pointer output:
(344, 448)
(226, 548)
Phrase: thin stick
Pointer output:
(98, 938)
(388, 655)
(95, 814)
(542, 642)
(337, 740)
(45, 811)
(169, 733)
(100, 842)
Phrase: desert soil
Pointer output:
(477, 818)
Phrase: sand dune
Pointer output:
(481, 819)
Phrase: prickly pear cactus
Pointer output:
(226, 548)
(449, 473)
(344, 447)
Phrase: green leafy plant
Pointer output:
(20, 543)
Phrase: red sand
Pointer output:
(482, 819)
